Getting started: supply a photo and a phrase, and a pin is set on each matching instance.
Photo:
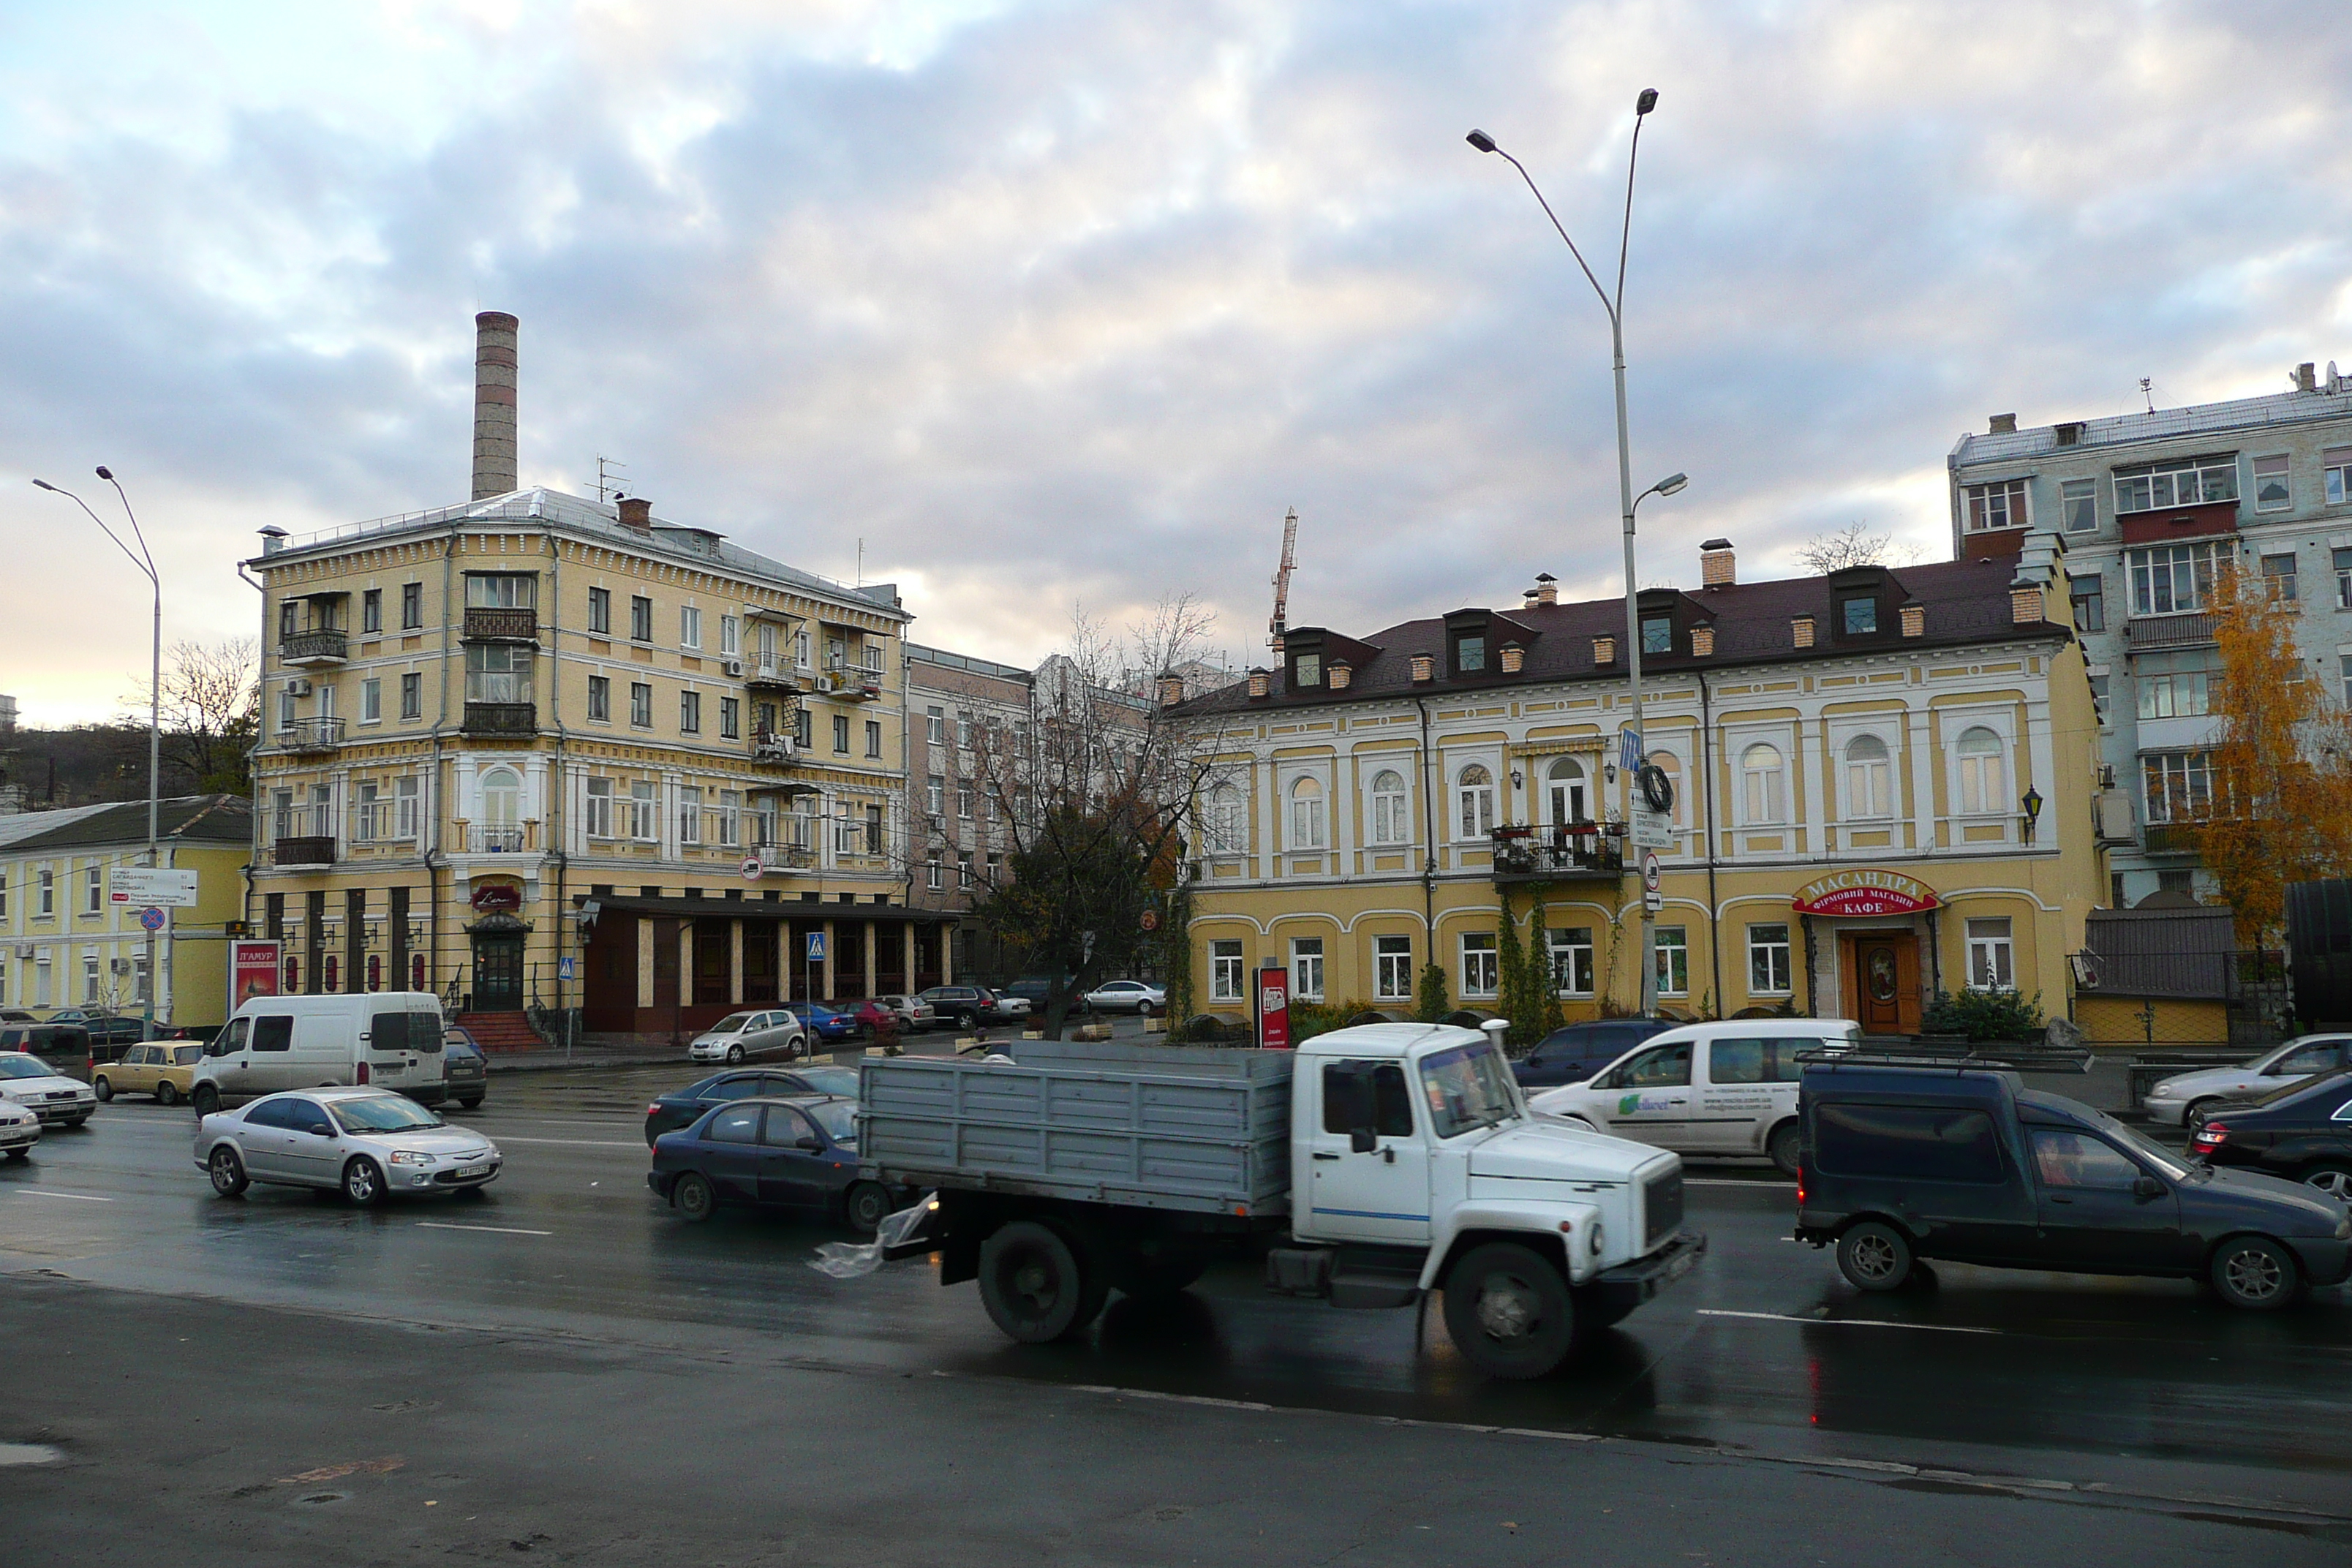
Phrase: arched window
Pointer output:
(1564, 794)
(1672, 766)
(1984, 782)
(1868, 785)
(1763, 787)
(501, 809)
(1391, 809)
(1307, 814)
(1474, 791)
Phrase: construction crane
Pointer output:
(1275, 627)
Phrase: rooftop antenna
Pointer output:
(608, 484)
(2145, 392)
(861, 561)
(1280, 624)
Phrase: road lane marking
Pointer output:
(77, 1197)
(494, 1229)
(569, 1142)
(1844, 1323)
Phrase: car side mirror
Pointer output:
(808, 1145)
(1362, 1140)
(2147, 1187)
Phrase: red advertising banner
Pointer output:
(1866, 893)
(1274, 1008)
(252, 971)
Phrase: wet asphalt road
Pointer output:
(2055, 1383)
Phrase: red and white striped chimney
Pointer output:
(496, 469)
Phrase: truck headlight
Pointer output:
(1599, 1238)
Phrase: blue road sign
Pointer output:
(563, 969)
(816, 947)
(151, 919)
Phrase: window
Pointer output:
(873, 737)
(935, 726)
(2278, 577)
(93, 890)
(645, 825)
(371, 610)
(873, 839)
(2087, 594)
(371, 701)
(502, 808)
(963, 731)
(1391, 813)
(412, 606)
(600, 808)
(599, 611)
(1571, 960)
(2170, 578)
(1926, 1144)
(1869, 791)
(286, 709)
(802, 733)
(1768, 960)
(641, 704)
(45, 901)
(689, 815)
(3, 915)
(2346, 661)
(2192, 483)
(730, 817)
(502, 590)
(801, 647)
(2176, 685)
(841, 734)
(2272, 491)
(1859, 617)
(641, 619)
(690, 626)
(963, 868)
(1392, 967)
(404, 799)
(498, 672)
(2343, 564)
(1306, 669)
(934, 877)
(289, 614)
(1360, 1096)
(2337, 474)
(1306, 968)
(1988, 955)
(1223, 823)
(2078, 504)
(412, 696)
(364, 816)
(1307, 814)
(1673, 962)
(2178, 786)
(1657, 634)
(730, 635)
(2000, 505)
(690, 712)
(1474, 796)
(1763, 788)
(1481, 976)
(1984, 782)
(1660, 1066)
(963, 802)
(935, 795)
(730, 718)
(599, 698)
(2099, 696)
(1469, 654)
(2079, 1159)
(1564, 794)
(1757, 1061)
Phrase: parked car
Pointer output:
(872, 1017)
(111, 1031)
(1901, 1164)
(1000, 1007)
(799, 1152)
(367, 1143)
(164, 1070)
(1728, 1088)
(18, 1016)
(1036, 991)
(961, 1005)
(682, 1107)
(389, 1039)
(2175, 1100)
(769, 1032)
(40, 1088)
(2302, 1131)
(1129, 996)
(20, 1129)
(64, 1046)
(466, 1071)
(830, 1022)
(914, 1013)
(1576, 1053)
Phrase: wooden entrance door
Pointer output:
(497, 972)
(1883, 985)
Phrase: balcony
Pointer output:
(2192, 630)
(312, 735)
(772, 675)
(778, 750)
(485, 623)
(786, 856)
(850, 683)
(501, 719)
(309, 849)
(313, 649)
(1586, 850)
(2170, 839)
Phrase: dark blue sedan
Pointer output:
(830, 1024)
(799, 1152)
(1575, 1053)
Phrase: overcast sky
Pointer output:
(1065, 303)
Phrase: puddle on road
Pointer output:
(28, 1453)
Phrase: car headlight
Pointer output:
(1599, 1238)
(410, 1157)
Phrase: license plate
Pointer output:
(1680, 1266)
(472, 1171)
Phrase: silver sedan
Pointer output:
(2175, 1101)
(367, 1143)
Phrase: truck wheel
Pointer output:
(2256, 1273)
(1874, 1255)
(1508, 1311)
(206, 1100)
(1784, 1144)
(1035, 1286)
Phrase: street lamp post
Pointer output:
(1615, 305)
(144, 560)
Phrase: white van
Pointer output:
(391, 1039)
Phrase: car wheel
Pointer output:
(1508, 1311)
(474, 1103)
(2256, 1273)
(206, 1100)
(21, 1155)
(867, 1205)
(103, 1090)
(692, 1196)
(1784, 1144)
(1035, 1286)
(362, 1182)
(166, 1095)
(967, 1020)
(2332, 1178)
(1875, 1255)
(227, 1171)
(734, 1055)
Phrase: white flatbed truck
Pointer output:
(1368, 1168)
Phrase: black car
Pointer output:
(1575, 1053)
(681, 1107)
(797, 1152)
(2302, 1132)
(1034, 989)
(1901, 1163)
(962, 1005)
(64, 1046)
(465, 1072)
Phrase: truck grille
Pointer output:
(1662, 1208)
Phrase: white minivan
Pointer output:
(390, 1039)
(1724, 1090)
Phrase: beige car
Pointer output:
(162, 1068)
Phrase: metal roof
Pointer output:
(2266, 412)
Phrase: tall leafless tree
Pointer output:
(211, 716)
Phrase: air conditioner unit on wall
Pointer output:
(827, 682)
(299, 686)
(2107, 775)
(733, 666)
(25, 949)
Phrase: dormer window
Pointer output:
(1859, 617)
(1306, 670)
(1470, 655)
(1657, 635)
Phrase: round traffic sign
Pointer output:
(752, 869)
(1649, 870)
(151, 919)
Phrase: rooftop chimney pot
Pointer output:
(638, 512)
(494, 468)
(2306, 377)
(2004, 424)
(1716, 565)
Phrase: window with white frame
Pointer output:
(1673, 961)
(963, 802)
(1869, 781)
(2177, 786)
(1223, 821)
(935, 795)
(2272, 489)
(730, 817)
(406, 793)
(371, 701)
(1306, 968)
(93, 892)
(2168, 579)
(90, 976)
(2345, 660)
(689, 815)
(645, 819)
(801, 646)
(1767, 959)
(2192, 482)
(4, 908)
(1998, 505)
(934, 874)
(600, 808)
(1481, 971)
(1474, 799)
(1990, 966)
(367, 819)
(1763, 784)
(2078, 505)
(1571, 960)
(730, 635)
(2177, 684)
(1307, 814)
(1983, 780)
(46, 883)
(2336, 475)
(1392, 967)
(641, 704)
(690, 626)
(1225, 979)
(1392, 808)
(1565, 800)
(2278, 576)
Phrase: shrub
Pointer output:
(1432, 1005)
(1983, 1015)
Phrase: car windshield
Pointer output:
(733, 1024)
(1468, 1088)
(389, 1114)
(831, 1080)
(15, 1064)
(839, 1119)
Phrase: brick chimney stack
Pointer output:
(1716, 565)
(496, 470)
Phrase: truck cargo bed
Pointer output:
(1168, 1127)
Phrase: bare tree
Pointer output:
(211, 715)
(1854, 545)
